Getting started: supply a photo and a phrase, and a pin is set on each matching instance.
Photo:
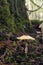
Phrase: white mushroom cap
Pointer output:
(25, 37)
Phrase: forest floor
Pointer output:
(15, 55)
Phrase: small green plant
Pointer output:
(14, 44)
(9, 52)
(9, 57)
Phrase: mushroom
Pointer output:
(25, 37)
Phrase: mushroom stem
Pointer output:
(26, 48)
